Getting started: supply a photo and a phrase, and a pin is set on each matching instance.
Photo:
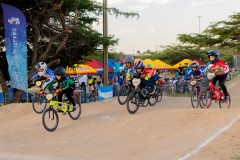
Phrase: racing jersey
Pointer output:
(64, 83)
(49, 75)
(219, 66)
(149, 75)
(128, 72)
(193, 73)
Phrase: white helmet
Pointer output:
(42, 68)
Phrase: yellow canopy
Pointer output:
(162, 65)
(136, 59)
(149, 61)
(182, 63)
(80, 69)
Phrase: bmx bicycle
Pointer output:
(50, 117)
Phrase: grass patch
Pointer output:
(235, 158)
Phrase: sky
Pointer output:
(161, 21)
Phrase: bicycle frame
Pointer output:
(214, 89)
(63, 106)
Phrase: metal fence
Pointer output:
(183, 87)
(169, 88)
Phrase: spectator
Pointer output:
(180, 71)
(116, 66)
(116, 86)
(176, 74)
(84, 96)
(185, 68)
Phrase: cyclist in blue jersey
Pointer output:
(194, 72)
(129, 66)
(45, 72)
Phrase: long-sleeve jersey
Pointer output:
(128, 72)
(219, 66)
(49, 75)
(193, 73)
(149, 74)
(64, 83)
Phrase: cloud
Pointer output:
(154, 1)
(200, 3)
(128, 31)
(137, 7)
(197, 3)
(152, 31)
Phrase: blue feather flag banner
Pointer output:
(16, 46)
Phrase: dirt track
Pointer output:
(106, 131)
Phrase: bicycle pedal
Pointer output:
(63, 113)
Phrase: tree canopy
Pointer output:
(224, 35)
(60, 30)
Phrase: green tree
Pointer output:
(61, 30)
(221, 34)
(172, 54)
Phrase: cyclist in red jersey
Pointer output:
(219, 67)
(145, 74)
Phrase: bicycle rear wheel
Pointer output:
(225, 103)
(145, 103)
(50, 119)
(154, 97)
(160, 95)
(205, 98)
(167, 90)
(39, 103)
(77, 113)
(133, 102)
(123, 94)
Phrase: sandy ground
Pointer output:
(106, 131)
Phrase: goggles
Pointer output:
(40, 69)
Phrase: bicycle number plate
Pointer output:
(38, 83)
(210, 75)
(193, 83)
(49, 96)
(136, 82)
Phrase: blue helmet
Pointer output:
(129, 59)
(214, 53)
(139, 64)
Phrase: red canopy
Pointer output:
(97, 65)
(198, 61)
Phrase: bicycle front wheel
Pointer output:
(194, 97)
(123, 94)
(39, 103)
(205, 98)
(133, 102)
(50, 119)
(76, 114)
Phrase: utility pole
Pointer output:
(199, 23)
(105, 47)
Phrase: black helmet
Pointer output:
(194, 65)
(60, 71)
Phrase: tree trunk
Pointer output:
(4, 87)
(17, 96)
